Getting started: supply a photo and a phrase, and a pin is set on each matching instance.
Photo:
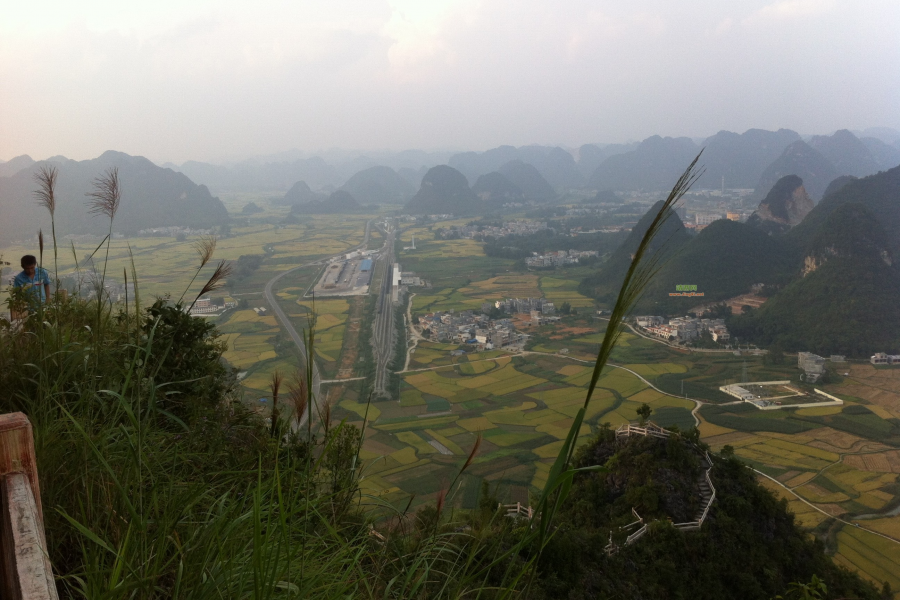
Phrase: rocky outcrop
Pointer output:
(785, 206)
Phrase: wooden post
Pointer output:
(26, 569)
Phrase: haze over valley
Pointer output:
(450, 299)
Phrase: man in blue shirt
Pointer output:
(34, 280)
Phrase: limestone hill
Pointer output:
(880, 194)
(495, 187)
(527, 178)
(802, 160)
(379, 185)
(845, 299)
(738, 160)
(723, 261)
(605, 283)
(340, 202)
(301, 194)
(654, 165)
(748, 548)
(444, 190)
(785, 206)
(847, 153)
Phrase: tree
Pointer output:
(813, 590)
(775, 356)
(718, 311)
(565, 309)
(644, 413)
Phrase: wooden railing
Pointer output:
(518, 510)
(653, 430)
(650, 429)
(712, 489)
(26, 570)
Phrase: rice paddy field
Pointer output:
(830, 463)
(522, 406)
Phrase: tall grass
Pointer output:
(158, 483)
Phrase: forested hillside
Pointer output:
(749, 547)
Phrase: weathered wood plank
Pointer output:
(17, 453)
(26, 565)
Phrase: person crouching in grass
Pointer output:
(33, 284)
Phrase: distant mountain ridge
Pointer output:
(151, 197)
(738, 160)
(555, 165)
(253, 176)
(14, 165)
(847, 153)
(654, 165)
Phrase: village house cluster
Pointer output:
(558, 258)
(513, 306)
(509, 228)
(211, 306)
(467, 327)
(172, 231)
(813, 365)
(683, 329)
(880, 358)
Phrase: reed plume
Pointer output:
(107, 195)
(217, 280)
(275, 386)
(46, 192)
(205, 246)
(298, 395)
(104, 200)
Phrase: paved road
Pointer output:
(295, 336)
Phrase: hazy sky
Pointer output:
(207, 79)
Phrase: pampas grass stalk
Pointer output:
(45, 194)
